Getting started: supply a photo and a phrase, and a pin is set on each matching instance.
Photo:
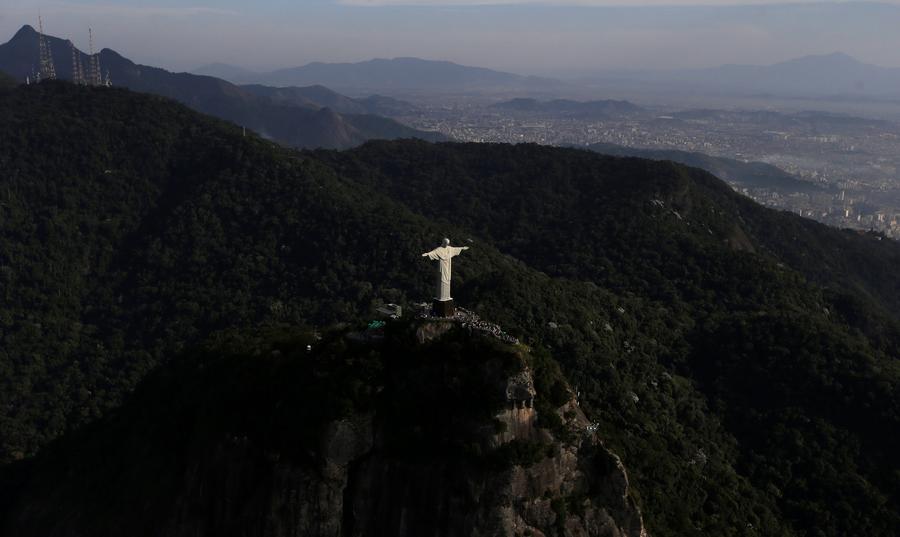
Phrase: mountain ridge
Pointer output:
(736, 172)
(291, 125)
(399, 74)
(318, 96)
(352, 467)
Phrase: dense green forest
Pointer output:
(742, 361)
(743, 174)
(6, 81)
(774, 318)
(126, 473)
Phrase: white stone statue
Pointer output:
(445, 253)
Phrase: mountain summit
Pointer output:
(19, 56)
(25, 32)
(298, 126)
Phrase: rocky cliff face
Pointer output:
(428, 471)
(579, 488)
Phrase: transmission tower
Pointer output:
(77, 72)
(95, 76)
(48, 71)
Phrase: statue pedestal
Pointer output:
(443, 308)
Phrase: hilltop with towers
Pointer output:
(37, 63)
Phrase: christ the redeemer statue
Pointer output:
(443, 304)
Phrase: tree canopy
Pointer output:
(743, 361)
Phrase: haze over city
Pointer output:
(562, 39)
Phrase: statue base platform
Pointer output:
(443, 308)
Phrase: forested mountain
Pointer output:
(743, 362)
(283, 432)
(320, 97)
(561, 209)
(312, 126)
(748, 291)
(6, 81)
(309, 97)
(736, 172)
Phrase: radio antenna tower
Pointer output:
(48, 71)
(77, 72)
(95, 77)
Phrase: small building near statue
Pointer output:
(391, 311)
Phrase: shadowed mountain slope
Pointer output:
(743, 174)
(741, 361)
(221, 451)
(320, 96)
(7, 81)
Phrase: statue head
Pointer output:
(446, 242)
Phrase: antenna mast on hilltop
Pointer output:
(77, 72)
(47, 71)
(94, 74)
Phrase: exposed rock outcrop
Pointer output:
(426, 460)
(580, 488)
(518, 418)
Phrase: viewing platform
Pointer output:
(468, 320)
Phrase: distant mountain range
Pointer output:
(320, 96)
(302, 117)
(398, 74)
(817, 76)
(565, 107)
(809, 76)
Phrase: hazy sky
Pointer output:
(553, 37)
